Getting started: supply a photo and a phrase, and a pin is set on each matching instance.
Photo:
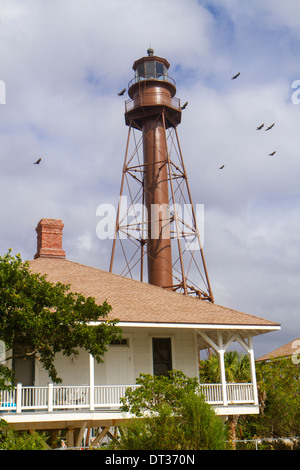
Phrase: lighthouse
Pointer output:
(153, 113)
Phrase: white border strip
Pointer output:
(202, 326)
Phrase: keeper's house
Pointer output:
(162, 330)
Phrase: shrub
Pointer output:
(171, 414)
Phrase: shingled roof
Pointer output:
(137, 302)
(284, 351)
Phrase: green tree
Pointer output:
(157, 431)
(20, 440)
(154, 391)
(171, 414)
(42, 319)
(279, 391)
(237, 368)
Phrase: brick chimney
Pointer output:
(49, 239)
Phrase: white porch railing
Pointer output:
(56, 397)
(235, 393)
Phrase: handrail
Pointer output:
(236, 393)
(160, 78)
(57, 397)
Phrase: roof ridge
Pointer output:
(127, 279)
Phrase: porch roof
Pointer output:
(137, 303)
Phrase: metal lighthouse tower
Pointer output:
(155, 211)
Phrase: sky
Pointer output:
(62, 64)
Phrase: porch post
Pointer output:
(92, 382)
(50, 397)
(252, 369)
(221, 352)
(19, 398)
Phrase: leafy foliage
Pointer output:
(46, 318)
(154, 432)
(172, 415)
(237, 368)
(19, 440)
(279, 391)
(155, 391)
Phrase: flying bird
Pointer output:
(122, 92)
(38, 161)
(260, 127)
(221, 167)
(185, 105)
(235, 76)
(270, 127)
(273, 153)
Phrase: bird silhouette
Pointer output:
(273, 153)
(185, 105)
(122, 92)
(270, 127)
(221, 167)
(38, 161)
(235, 76)
(260, 127)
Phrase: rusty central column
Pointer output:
(153, 109)
(156, 195)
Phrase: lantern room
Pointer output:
(151, 67)
(151, 91)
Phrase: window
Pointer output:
(140, 70)
(150, 70)
(159, 70)
(162, 356)
(24, 367)
(119, 342)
